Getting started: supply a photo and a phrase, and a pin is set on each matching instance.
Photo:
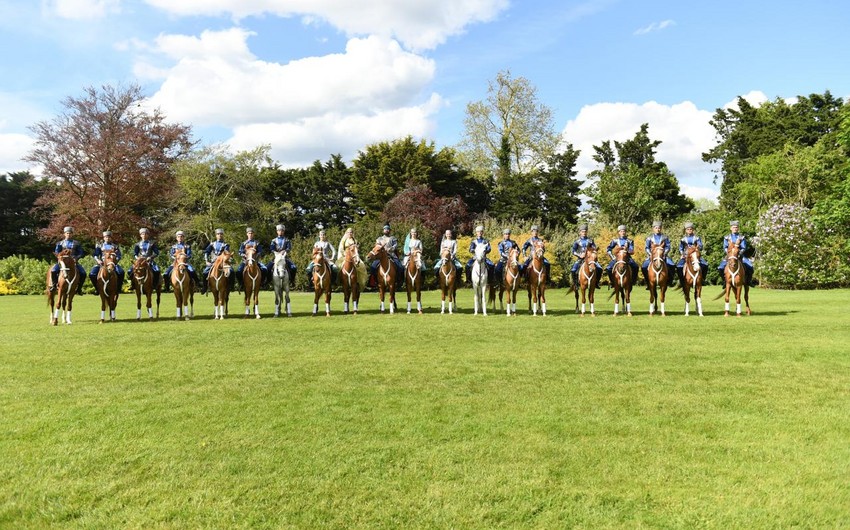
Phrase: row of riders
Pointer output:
(388, 272)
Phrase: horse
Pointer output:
(63, 297)
(252, 281)
(735, 276)
(181, 282)
(657, 275)
(537, 280)
(218, 283)
(350, 281)
(692, 274)
(107, 286)
(480, 281)
(386, 274)
(321, 281)
(280, 283)
(587, 280)
(143, 285)
(510, 283)
(413, 278)
(622, 280)
(447, 280)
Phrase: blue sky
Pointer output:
(316, 77)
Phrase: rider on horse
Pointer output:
(735, 237)
(505, 246)
(249, 233)
(146, 248)
(622, 240)
(528, 250)
(212, 251)
(657, 238)
(349, 240)
(390, 244)
(76, 252)
(479, 240)
(181, 244)
(449, 243)
(580, 248)
(411, 243)
(278, 244)
(689, 240)
(99, 248)
(328, 251)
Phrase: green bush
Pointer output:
(30, 274)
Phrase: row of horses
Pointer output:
(60, 299)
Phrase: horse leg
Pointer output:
(686, 291)
(747, 298)
(663, 296)
(139, 302)
(542, 297)
(727, 292)
(738, 289)
(698, 297)
(316, 294)
(592, 288)
(328, 301)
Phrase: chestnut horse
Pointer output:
(587, 280)
(63, 297)
(218, 283)
(321, 281)
(622, 280)
(143, 284)
(386, 274)
(350, 281)
(658, 273)
(447, 280)
(107, 286)
(252, 281)
(413, 278)
(537, 279)
(692, 274)
(736, 279)
(510, 283)
(280, 283)
(181, 282)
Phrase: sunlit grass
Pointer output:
(428, 420)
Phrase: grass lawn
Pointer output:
(431, 421)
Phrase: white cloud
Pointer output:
(306, 109)
(298, 143)
(417, 24)
(682, 128)
(655, 26)
(753, 97)
(80, 9)
(13, 147)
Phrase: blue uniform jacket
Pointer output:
(145, 249)
(621, 242)
(254, 242)
(73, 245)
(280, 243)
(215, 249)
(100, 247)
(505, 248)
(477, 241)
(178, 246)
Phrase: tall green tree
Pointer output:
(386, 168)
(303, 198)
(510, 128)
(748, 132)
(219, 189)
(20, 221)
(560, 188)
(112, 160)
(631, 186)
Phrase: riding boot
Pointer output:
(645, 277)
(680, 273)
(203, 287)
(574, 275)
(598, 279)
(54, 279)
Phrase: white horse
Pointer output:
(479, 279)
(280, 282)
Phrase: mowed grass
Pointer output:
(428, 421)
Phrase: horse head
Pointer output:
(352, 254)
(250, 254)
(279, 262)
(108, 258)
(480, 252)
(224, 261)
(656, 252)
(181, 260)
(318, 257)
(376, 251)
(692, 257)
(513, 256)
(539, 249)
(590, 257)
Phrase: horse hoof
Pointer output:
(726, 314)
(258, 317)
(629, 314)
(327, 314)
(420, 311)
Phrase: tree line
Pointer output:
(109, 163)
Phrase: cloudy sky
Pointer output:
(316, 77)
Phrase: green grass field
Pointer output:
(431, 421)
